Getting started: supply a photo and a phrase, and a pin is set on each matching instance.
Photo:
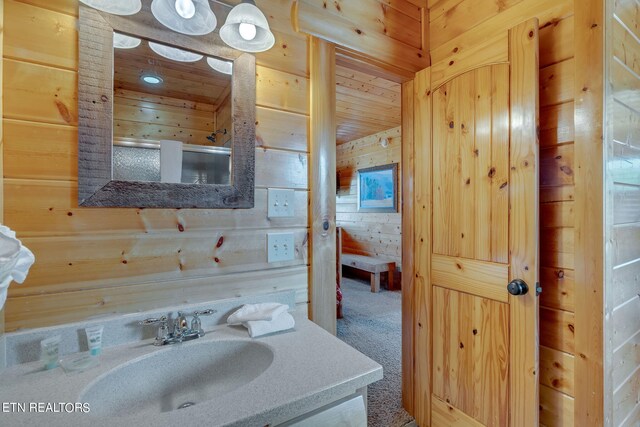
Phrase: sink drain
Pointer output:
(186, 405)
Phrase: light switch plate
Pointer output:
(280, 202)
(280, 247)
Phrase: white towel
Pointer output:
(262, 327)
(15, 261)
(264, 311)
(170, 161)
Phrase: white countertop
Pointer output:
(310, 369)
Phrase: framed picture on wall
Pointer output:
(378, 189)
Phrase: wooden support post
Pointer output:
(322, 174)
(589, 241)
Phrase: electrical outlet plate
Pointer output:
(280, 203)
(280, 247)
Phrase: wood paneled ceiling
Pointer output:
(189, 81)
(365, 104)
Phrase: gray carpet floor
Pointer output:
(372, 325)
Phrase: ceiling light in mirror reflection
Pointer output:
(121, 41)
(225, 67)
(177, 16)
(174, 54)
(115, 7)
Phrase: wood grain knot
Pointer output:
(220, 241)
(216, 259)
(180, 227)
(504, 184)
(451, 63)
(451, 125)
(531, 34)
(475, 332)
(358, 31)
(571, 327)
(461, 345)
(492, 172)
(64, 111)
(566, 169)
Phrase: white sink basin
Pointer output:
(177, 377)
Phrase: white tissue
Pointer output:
(15, 261)
(170, 161)
(249, 312)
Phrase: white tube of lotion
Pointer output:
(49, 351)
(94, 339)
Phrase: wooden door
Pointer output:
(479, 364)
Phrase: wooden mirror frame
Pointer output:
(95, 119)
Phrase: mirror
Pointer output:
(166, 120)
(171, 114)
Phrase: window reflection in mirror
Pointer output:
(171, 114)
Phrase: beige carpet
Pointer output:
(372, 324)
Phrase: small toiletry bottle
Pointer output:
(50, 351)
(94, 339)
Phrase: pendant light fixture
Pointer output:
(115, 7)
(247, 29)
(120, 41)
(224, 67)
(192, 17)
(174, 54)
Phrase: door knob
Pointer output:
(517, 287)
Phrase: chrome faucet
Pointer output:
(181, 331)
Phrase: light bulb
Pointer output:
(185, 8)
(247, 31)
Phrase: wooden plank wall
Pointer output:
(2, 327)
(623, 214)
(390, 35)
(141, 116)
(374, 234)
(91, 261)
(460, 29)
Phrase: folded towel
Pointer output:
(264, 311)
(15, 261)
(262, 327)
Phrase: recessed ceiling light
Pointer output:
(152, 79)
(121, 41)
(174, 53)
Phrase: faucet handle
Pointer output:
(163, 330)
(206, 312)
(153, 321)
(196, 325)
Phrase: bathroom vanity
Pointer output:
(304, 376)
